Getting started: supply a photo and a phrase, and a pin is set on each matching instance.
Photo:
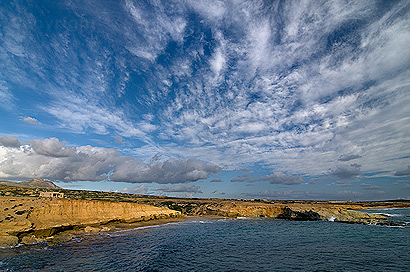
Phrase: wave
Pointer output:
(140, 228)
(390, 209)
(16, 246)
(388, 214)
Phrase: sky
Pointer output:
(225, 99)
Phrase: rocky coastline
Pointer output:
(27, 218)
(32, 220)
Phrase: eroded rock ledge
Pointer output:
(28, 220)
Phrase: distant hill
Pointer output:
(34, 183)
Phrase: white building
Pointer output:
(52, 194)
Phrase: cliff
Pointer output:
(28, 220)
(33, 219)
(294, 212)
(346, 213)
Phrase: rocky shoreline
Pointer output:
(38, 211)
(28, 220)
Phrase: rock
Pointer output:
(8, 240)
(91, 229)
(31, 239)
(299, 215)
(105, 229)
(16, 227)
(350, 216)
(46, 217)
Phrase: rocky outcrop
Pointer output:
(40, 218)
(231, 209)
(292, 212)
(289, 214)
(351, 216)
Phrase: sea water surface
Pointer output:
(227, 245)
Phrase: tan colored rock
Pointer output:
(45, 217)
(105, 229)
(63, 212)
(15, 227)
(8, 240)
(31, 239)
(91, 229)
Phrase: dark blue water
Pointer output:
(227, 245)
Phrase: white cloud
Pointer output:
(6, 97)
(404, 172)
(335, 101)
(30, 120)
(139, 190)
(302, 91)
(171, 171)
(282, 178)
(275, 178)
(289, 194)
(349, 157)
(217, 62)
(367, 186)
(346, 171)
(152, 28)
(79, 115)
(9, 142)
(216, 180)
(52, 159)
(179, 189)
(119, 139)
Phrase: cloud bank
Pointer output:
(53, 159)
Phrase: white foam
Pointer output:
(388, 214)
(140, 228)
(18, 245)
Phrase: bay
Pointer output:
(227, 245)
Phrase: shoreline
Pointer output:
(108, 229)
(31, 220)
(119, 227)
(66, 236)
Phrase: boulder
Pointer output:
(8, 240)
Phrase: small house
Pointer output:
(52, 194)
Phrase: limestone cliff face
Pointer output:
(236, 209)
(256, 211)
(44, 217)
(58, 212)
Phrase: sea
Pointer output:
(242, 244)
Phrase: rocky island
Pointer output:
(36, 211)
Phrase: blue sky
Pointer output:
(228, 99)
